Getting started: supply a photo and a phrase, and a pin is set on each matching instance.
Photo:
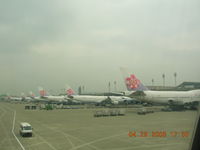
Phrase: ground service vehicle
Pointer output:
(25, 129)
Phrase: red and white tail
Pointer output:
(132, 83)
(42, 92)
(69, 91)
(31, 94)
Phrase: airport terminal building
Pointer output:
(185, 86)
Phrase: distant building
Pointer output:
(161, 88)
(79, 90)
(189, 85)
(185, 86)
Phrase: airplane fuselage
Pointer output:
(166, 97)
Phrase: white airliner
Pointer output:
(36, 98)
(14, 98)
(137, 90)
(26, 98)
(95, 99)
(51, 98)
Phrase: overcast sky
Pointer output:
(84, 42)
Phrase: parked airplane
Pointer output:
(36, 98)
(51, 98)
(137, 90)
(14, 98)
(96, 99)
(26, 98)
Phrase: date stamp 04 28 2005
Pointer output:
(159, 134)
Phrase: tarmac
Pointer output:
(78, 129)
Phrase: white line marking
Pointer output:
(36, 144)
(97, 140)
(76, 138)
(14, 133)
(67, 136)
(45, 141)
(7, 134)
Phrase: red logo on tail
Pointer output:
(42, 93)
(132, 82)
(70, 92)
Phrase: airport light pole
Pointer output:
(163, 76)
(175, 75)
(83, 88)
(115, 84)
(152, 82)
(79, 90)
(109, 87)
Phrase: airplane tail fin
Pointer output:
(131, 82)
(23, 95)
(8, 95)
(69, 90)
(31, 94)
(42, 92)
